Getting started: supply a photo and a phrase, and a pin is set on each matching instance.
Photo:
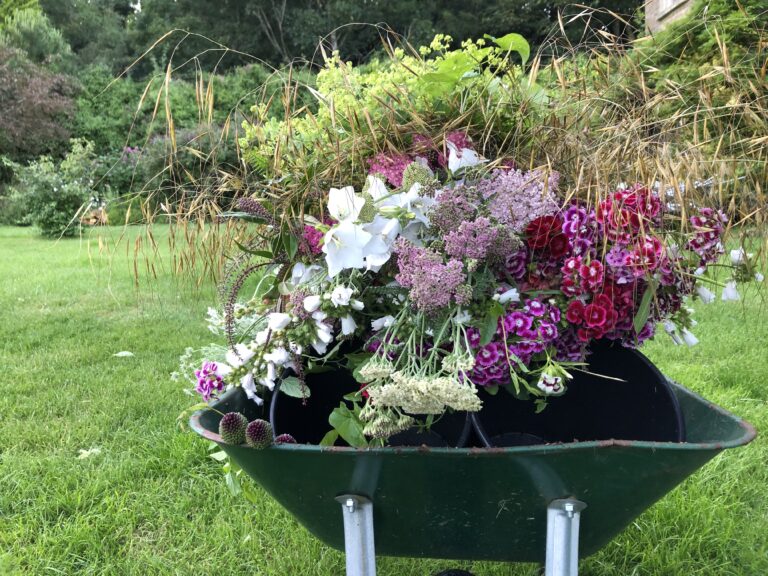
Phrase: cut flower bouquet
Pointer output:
(448, 278)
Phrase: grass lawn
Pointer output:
(147, 499)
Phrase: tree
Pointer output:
(35, 105)
(30, 32)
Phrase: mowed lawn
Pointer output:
(96, 479)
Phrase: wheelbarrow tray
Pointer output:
(479, 503)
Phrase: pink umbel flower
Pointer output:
(391, 166)
(433, 284)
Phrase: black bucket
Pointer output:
(307, 419)
(623, 397)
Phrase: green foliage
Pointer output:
(96, 30)
(31, 32)
(8, 7)
(54, 193)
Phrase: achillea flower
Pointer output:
(516, 198)
(391, 166)
(471, 240)
(432, 283)
(454, 206)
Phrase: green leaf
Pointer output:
(219, 456)
(348, 426)
(291, 245)
(262, 253)
(294, 388)
(644, 309)
(492, 390)
(491, 322)
(513, 43)
(330, 438)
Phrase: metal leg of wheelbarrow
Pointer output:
(358, 535)
(563, 537)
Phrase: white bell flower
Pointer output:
(249, 385)
(239, 356)
(279, 356)
(383, 322)
(344, 247)
(759, 277)
(706, 295)
(671, 329)
(738, 256)
(688, 337)
(344, 205)
(348, 325)
(357, 305)
(464, 158)
(311, 303)
(511, 295)
(341, 295)
(730, 292)
(277, 321)
(376, 188)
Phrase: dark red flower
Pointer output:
(541, 232)
(575, 312)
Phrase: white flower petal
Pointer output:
(341, 295)
(348, 325)
(278, 321)
(344, 204)
(706, 295)
(311, 303)
(730, 292)
(689, 338)
(383, 322)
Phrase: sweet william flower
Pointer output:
(343, 247)
(550, 384)
(730, 292)
(344, 205)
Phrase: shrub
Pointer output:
(54, 194)
(35, 106)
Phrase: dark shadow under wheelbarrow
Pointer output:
(478, 503)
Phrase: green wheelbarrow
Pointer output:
(514, 504)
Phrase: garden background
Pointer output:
(140, 113)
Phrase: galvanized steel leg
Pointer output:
(358, 535)
(563, 537)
